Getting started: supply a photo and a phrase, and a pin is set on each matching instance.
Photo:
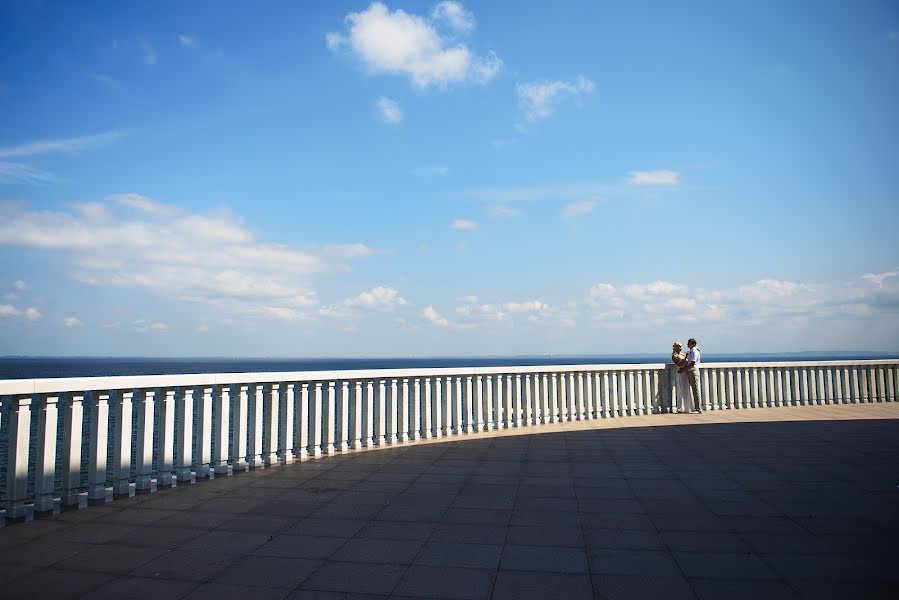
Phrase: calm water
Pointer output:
(38, 367)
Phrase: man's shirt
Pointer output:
(693, 355)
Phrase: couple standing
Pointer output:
(687, 378)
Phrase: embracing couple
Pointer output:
(689, 398)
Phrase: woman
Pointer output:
(684, 398)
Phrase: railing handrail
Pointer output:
(120, 382)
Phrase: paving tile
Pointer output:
(704, 541)
(545, 536)
(516, 585)
(51, 584)
(632, 539)
(378, 551)
(544, 558)
(192, 566)
(742, 589)
(140, 587)
(230, 542)
(355, 577)
(222, 591)
(818, 567)
(640, 587)
(451, 554)
(651, 563)
(395, 530)
(110, 559)
(312, 526)
(256, 524)
(42, 552)
(452, 584)
(158, 536)
(94, 533)
(840, 590)
(269, 571)
(300, 546)
(11, 572)
(723, 565)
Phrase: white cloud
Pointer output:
(526, 306)
(72, 322)
(32, 314)
(454, 15)
(577, 209)
(8, 310)
(539, 99)
(431, 171)
(879, 278)
(104, 80)
(506, 212)
(657, 177)
(149, 52)
(71, 145)
(389, 111)
(464, 225)
(144, 326)
(186, 40)
(402, 43)
(380, 298)
(16, 173)
(132, 241)
(20, 285)
(430, 314)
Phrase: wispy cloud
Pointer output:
(13, 172)
(380, 299)
(430, 314)
(464, 225)
(105, 80)
(657, 177)
(406, 44)
(72, 322)
(149, 52)
(389, 111)
(131, 241)
(500, 210)
(186, 40)
(578, 209)
(72, 145)
(431, 171)
(539, 99)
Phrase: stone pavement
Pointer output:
(760, 503)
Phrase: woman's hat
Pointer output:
(676, 344)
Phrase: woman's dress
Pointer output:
(682, 385)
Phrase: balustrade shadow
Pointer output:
(787, 509)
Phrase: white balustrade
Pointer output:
(208, 425)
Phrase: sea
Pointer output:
(34, 367)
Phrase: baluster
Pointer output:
(868, 379)
(808, 387)
(403, 411)
(838, 385)
(19, 440)
(45, 460)
(731, 390)
(723, 389)
(457, 405)
(271, 424)
(508, 418)
(657, 393)
(479, 422)
(516, 402)
(763, 387)
(98, 448)
(344, 418)
(497, 394)
(203, 459)
(640, 397)
(564, 398)
(545, 400)
(469, 401)
(184, 406)
(617, 406)
(881, 385)
(632, 409)
(287, 420)
(427, 425)
(822, 394)
(222, 426)
(706, 400)
(448, 406)
(581, 411)
(437, 409)
(239, 441)
(327, 420)
(381, 415)
(589, 395)
(853, 375)
(755, 387)
(369, 440)
(891, 385)
(415, 433)
(301, 424)
(740, 390)
(529, 412)
(358, 406)
(315, 421)
(392, 412)
(71, 452)
(255, 401)
(165, 456)
(603, 393)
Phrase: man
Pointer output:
(691, 368)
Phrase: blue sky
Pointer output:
(411, 178)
